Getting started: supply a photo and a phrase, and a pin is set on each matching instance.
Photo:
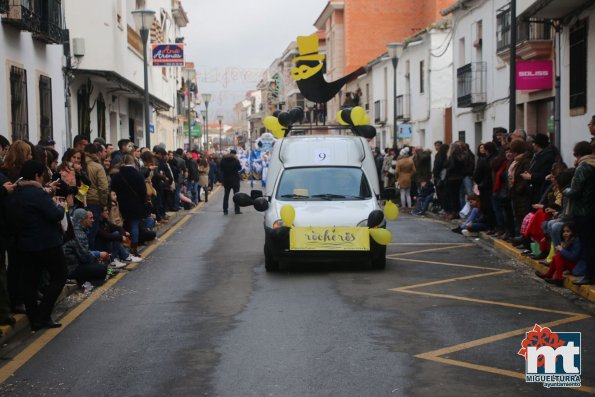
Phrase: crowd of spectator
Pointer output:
(82, 215)
(515, 188)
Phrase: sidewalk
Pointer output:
(8, 332)
(586, 291)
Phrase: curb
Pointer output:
(586, 291)
(7, 332)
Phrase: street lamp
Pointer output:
(206, 98)
(395, 50)
(143, 19)
(220, 119)
(204, 123)
(187, 72)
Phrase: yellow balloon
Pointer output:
(357, 115)
(272, 123)
(287, 215)
(381, 236)
(279, 133)
(391, 211)
(340, 119)
(367, 120)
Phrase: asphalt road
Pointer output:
(201, 316)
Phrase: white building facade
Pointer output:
(573, 42)
(480, 77)
(31, 77)
(107, 88)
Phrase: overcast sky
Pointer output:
(232, 41)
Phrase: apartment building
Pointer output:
(357, 31)
(31, 78)
(107, 88)
(567, 28)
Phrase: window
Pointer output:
(462, 60)
(323, 184)
(578, 65)
(503, 30)
(18, 103)
(478, 34)
(45, 108)
(100, 116)
(421, 77)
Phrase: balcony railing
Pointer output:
(534, 40)
(471, 85)
(24, 14)
(380, 112)
(403, 107)
(52, 27)
(3, 6)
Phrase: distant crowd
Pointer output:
(82, 215)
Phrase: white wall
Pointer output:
(18, 48)
(427, 108)
(107, 49)
(574, 127)
(497, 78)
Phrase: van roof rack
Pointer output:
(303, 130)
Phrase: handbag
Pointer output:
(150, 188)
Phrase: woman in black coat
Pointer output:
(131, 190)
(36, 221)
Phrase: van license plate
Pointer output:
(329, 238)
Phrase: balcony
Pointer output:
(24, 15)
(52, 27)
(380, 112)
(403, 107)
(471, 85)
(534, 41)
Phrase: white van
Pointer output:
(330, 181)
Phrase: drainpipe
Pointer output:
(558, 97)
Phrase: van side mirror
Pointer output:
(261, 204)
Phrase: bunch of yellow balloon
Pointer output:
(353, 116)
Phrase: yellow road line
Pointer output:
(450, 280)
(481, 301)
(498, 337)
(443, 263)
(48, 335)
(435, 355)
(436, 249)
(453, 244)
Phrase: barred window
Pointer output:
(45, 108)
(578, 65)
(18, 103)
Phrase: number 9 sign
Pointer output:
(321, 157)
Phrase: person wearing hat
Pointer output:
(230, 169)
(541, 165)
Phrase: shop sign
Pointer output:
(168, 55)
(534, 75)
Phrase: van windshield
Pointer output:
(323, 183)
